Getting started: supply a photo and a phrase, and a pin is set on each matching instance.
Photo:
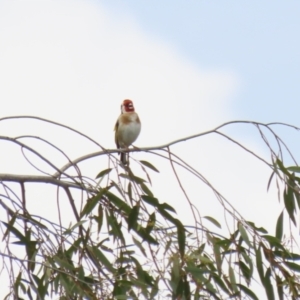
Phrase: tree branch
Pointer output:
(44, 179)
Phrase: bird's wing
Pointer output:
(116, 131)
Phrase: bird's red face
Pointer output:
(127, 106)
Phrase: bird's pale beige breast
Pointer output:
(129, 117)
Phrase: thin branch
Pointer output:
(161, 147)
(43, 179)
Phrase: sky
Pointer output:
(257, 40)
(188, 66)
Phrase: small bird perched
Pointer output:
(127, 128)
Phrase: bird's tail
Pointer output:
(124, 158)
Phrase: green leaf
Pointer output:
(248, 260)
(273, 241)
(295, 169)
(289, 203)
(99, 218)
(217, 254)
(18, 284)
(150, 200)
(63, 263)
(132, 177)
(146, 190)
(181, 238)
(287, 255)
(247, 291)
(140, 246)
(281, 167)
(279, 285)
(245, 271)
(155, 289)
(151, 223)
(167, 247)
(144, 277)
(103, 173)
(142, 232)
(297, 197)
(101, 257)
(212, 220)
(198, 272)
(244, 234)
(205, 260)
(268, 285)
(133, 216)
(115, 231)
(232, 279)
(10, 225)
(118, 202)
(70, 230)
(220, 283)
(150, 166)
(129, 191)
(260, 229)
(16, 232)
(167, 215)
(259, 264)
(292, 266)
(167, 207)
(270, 180)
(279, 227)
(92, 202)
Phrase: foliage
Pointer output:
(126, 243)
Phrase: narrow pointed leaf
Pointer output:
(212, 220)
(244, 234)
(295, 169)
(292, 266)
(245, 271)
(181, 239)
(232, 279)
(146, 190)
(148, 165)
(16, 232)
(151, 223)
(167, 207)
(217, 254)
(220, 283)
(279, 227)
(289, 203)
(270, 180)
(103, 173)
(101, 257)
(92, 202)
(142, 232)
(279, 285)
(133, 216)
(259, 264)
(118, 202)
(281, 167)
(150, 200)
(260, 229)
(71, 230)
(140, 246)
(268, 285)
(99, 218)
(10, 225)
(247, 291)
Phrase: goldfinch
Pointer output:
(127, 128)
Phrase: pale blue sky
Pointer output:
(259, 40)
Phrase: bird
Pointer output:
(127, 129)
